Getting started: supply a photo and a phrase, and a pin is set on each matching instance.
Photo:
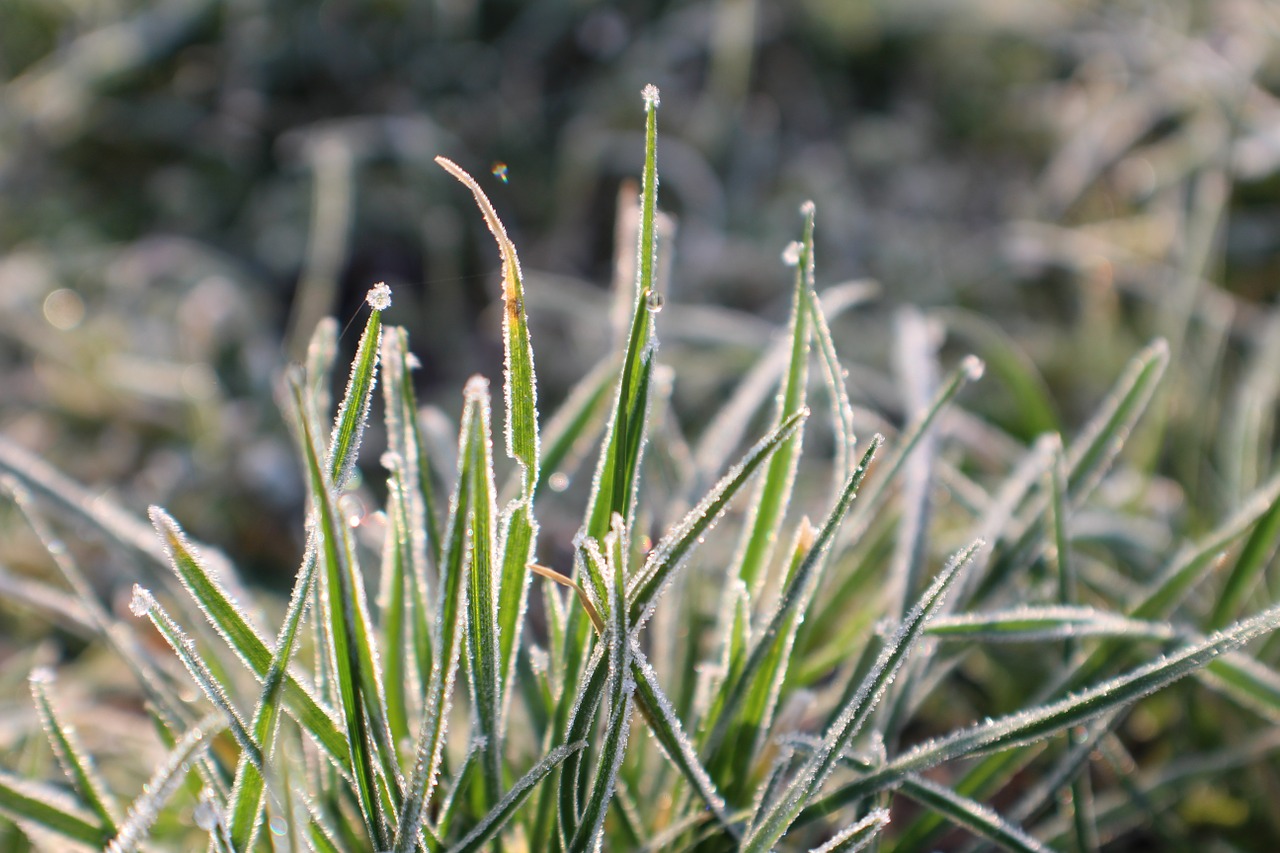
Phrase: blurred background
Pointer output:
(186, 186)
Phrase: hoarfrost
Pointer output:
(379, 297)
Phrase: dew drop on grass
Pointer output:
(142, 601)
(379, 297)
(654, 302)
(652, 98)
(791, 254)
(278, 826)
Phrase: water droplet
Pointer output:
(278, 826)
(652, 98)
(499, 171)
(379, 297)
(141, 602)
(558, 482)
(791, 254)
(654, 302)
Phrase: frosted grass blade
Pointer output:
(451, 609)
(801, 579)
(353, 412)
(322, 352)
(502, 812)
(341, 596)
(673, 549)
(520, 532)
(574, 424)
(229, 621)
(1249, 566)
(1030, 726)
(75, 762)
(1046, 623)
(484, 662)
(773, 493)
(841, 410)
(979, 819)
(774, 823)
(48, 806)
(857, 836)
(146, 808)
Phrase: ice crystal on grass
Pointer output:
(379, 297)
(141, 602)
(652, 97)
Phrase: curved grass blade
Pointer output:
(482, 589)
(353, 413)
(773, 824)
(979, 819)
(837, 390)
(502, 812)
(71, 755)
(1027, 727)
(48, 806)
(773, 493)
(521, 430)
(429, 749)
(857, 836)
(673, 549)
(1258, 550)
(144, 811)
(229, 621)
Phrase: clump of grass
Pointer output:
(780, 678)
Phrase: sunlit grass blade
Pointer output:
(49, 807)
(773, 492)
(520, 791)
(229, 621)
(621, 691)
(484, 662)
(805, 574)
(75, 762)
(979, 819)
(322, 352)
(857, 836)
(837, 390)
(1046, 623)
(1254, 558)
(1247, 681)
(675, 546)
(353, 412)
(1037, 723)
(162, 784)
(447, 641)
(773, 824)
(349, 653)
(521, 431)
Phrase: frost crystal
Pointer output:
(142, 601)
(808, 208)
(791, 254)
(651, 97)
(379, 297)
(41, 675)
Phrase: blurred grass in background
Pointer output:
(187, 186)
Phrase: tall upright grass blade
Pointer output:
(353, 413)
(1029, 726)
(837, 390)
(75, 762)
(501, 814)
(448, 641)
(773, 493)
(1258, 551)
(520, 533)
(483, 652)
(162, 784)
(773, 824)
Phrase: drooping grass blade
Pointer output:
(48, 806)
(75, 762)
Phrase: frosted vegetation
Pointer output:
(732, 652)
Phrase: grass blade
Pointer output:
(1254, 558)
(979, 819)
(48, 806)
(834, 376)
(774, 823)
(773, 493)
(71, 755)
(502, 812)
(1046, 623)
(857, 836)
(353, 413)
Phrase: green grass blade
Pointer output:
(75, 762)
(448, 641)
(1045, 623)
(353, 413)
(1254, 558)
(774, 823)
(341, 596)
(834, 376)
(521, 431)
(520, 791)
(162, 784)
(48, 806)
(1035, 724)
(673, 549)
(621, 689)
(230, 622)
(807, 573)
(484, 663)
(773, 493)
(857, 836)
(979, 819)
(143, 603)
(322, 352)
